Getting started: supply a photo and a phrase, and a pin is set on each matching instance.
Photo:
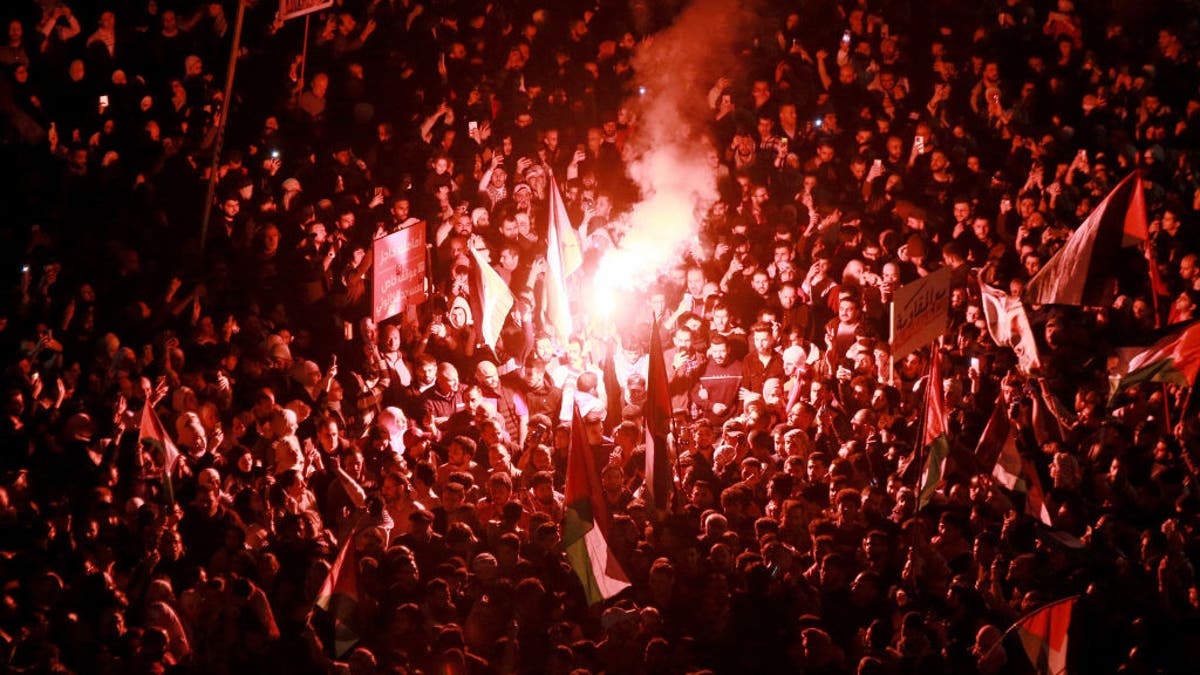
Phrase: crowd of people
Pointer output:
(856, 147)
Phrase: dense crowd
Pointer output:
(856, 147)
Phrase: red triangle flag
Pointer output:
(1043, 634)
(585, 522)
(1070, 277)
(934, 434)
(995, 434)
(339, 597)
(152, 433)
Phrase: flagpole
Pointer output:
(672, 447)
(226, 110)
(892, 326)
(1152, 272)
(303, 56)
(919, 443)
(1023, 618)
(1166, 407)
(672, 435)
(678, 468)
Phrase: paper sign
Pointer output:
(399, 272)
(290, 9)
(920, 313)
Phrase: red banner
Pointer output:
(399, 272)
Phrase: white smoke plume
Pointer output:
(672, 156)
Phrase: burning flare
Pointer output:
(673, 162)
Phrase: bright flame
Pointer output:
(604, 301)
(672, 158)
(659, 230)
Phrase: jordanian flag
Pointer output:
(1174, 359)
(339, 597)
(153, 436)
(658, 424)
(1043, 634)
(934, 434)
(1080, 273)
(585, 523)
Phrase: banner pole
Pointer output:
(226, 110)
(1166, 407)
(892, 326)
(303, 57)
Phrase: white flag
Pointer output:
(1009, 326)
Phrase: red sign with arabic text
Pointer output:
(399, 272)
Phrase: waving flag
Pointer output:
(934, 434)
(1043, 634)
(151, 433)
(1016, 474)
(563, 257)
(1080, 273)
(1009, 326)
(613, 394)
(339, 597)
(996, 435)
(493, 296)
(1175, 359)
(657, 413)
(585, 523)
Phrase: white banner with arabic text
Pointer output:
(290, 9)
(920, 312)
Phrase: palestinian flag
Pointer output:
(563, 256)
(657, 422)
(339, 597)
(585, 523)
(614, 402)
(1081, 272)
(1043, 634)
(154, 437)
(1174, 359)
(996, 434)
(492, 299)
(1016, 474)
(934, 434)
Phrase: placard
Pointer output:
(399, 272)
(290, 9)
(920, 313)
